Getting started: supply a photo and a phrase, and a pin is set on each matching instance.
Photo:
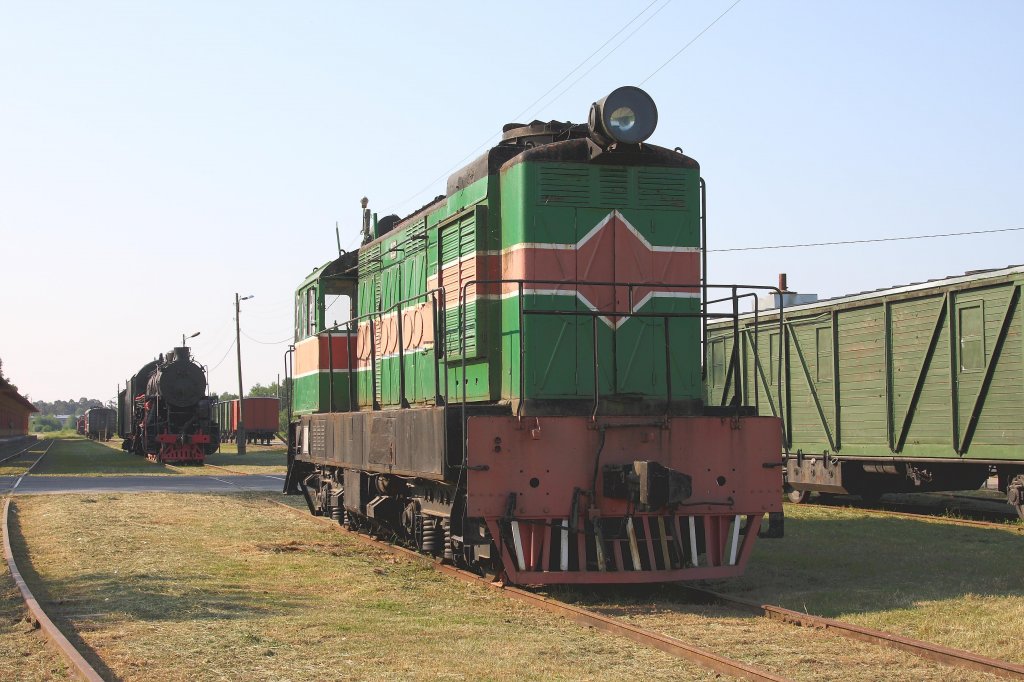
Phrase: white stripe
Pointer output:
(336, 370)
(597, 228)
(563, 560)
(583, 299)
(693, 542)
(634, 551)
(518, 543)
(735, 540)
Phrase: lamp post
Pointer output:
(240, 436)
(186, 338)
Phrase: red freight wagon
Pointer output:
(261, 415)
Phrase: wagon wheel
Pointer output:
(1015, 495)
(796, 496)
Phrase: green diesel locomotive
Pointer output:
(517, 387)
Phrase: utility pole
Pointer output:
(240, 436)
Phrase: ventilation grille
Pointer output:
(565, 186)
(660, 188)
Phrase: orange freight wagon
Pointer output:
(261, 415)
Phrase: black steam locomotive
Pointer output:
(164, 413)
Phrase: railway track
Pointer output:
(615, 626)
(80, 668)
(926, 650)
(701, 656)
(922, 513)
(19, 453)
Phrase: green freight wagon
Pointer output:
(913, 388)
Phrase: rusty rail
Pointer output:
(926, 650)
(649, 638)
(928, 518)
(19, 453)
(79, 666)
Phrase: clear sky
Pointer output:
(155, 158)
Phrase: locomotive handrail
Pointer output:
(573, 287)
(438, 315)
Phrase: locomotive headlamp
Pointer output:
(627, 115)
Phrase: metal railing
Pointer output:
(350, 328)
(573, 287)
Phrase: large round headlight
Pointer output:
(627, 115)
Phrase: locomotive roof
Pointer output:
(332, 268)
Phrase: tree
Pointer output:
(45, 424)
(260, 391)
(227, 396)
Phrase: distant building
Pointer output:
(14, 412)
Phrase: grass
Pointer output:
(953, 585)
(17, 467)
(63, 433)
(83, 457)
(258, 459)
(267, 461)
(271, 595)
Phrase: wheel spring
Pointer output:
(338, 515)
(448, 555)
(433, 535)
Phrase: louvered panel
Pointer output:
(613, 184)
(459, 256)
(661, 188)
(565, 186)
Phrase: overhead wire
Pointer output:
(609, 54)
(867, 241)
(287, 339)
(490, 138)
(591, 56)
(692, 41)
(221, 361)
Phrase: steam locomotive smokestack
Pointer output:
(782, 281)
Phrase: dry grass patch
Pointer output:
(953, 585)
(206, 587)
(15, 468)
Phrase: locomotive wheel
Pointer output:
(796, 496)
(1015, 495)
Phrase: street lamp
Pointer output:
(240, 435)
(185, 338)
